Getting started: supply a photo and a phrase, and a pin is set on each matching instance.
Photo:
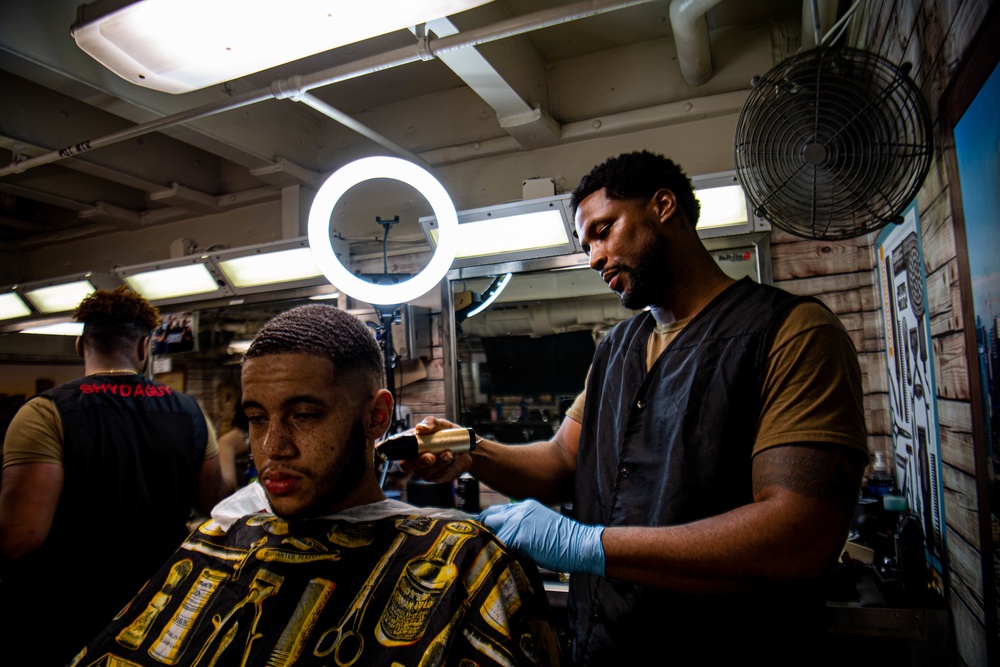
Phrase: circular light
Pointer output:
(382, 167)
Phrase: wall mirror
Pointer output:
(518, 363)
(512, 368)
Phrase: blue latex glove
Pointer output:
(551, 540)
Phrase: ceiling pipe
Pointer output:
(348, 122)
(687, 19)
(663, 115)
(296, 85)
(818, 16)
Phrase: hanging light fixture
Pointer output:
(13, 306)
(176, 46)
(509, 232)
(174, 281)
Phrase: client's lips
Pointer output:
(280, 483)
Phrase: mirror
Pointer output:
(520, 362)
(513, 368)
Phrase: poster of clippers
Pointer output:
(912, 397)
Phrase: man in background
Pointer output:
(99, 477)
(313, 565)
(714, 461)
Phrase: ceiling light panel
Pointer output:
(59, 298)
(509, 232)
(270, 268)
(57, 329)
(177, 46)
(12, 306)
(160, 284)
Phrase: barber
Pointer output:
(716, 463)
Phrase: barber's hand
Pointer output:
(551, 540)
(442, 467)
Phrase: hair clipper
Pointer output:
(411, 445)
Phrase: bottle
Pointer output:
(879, 480)
(467, 493)
(420, 587)
(133, 635)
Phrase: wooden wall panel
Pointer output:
(956, 435)
(810, 258)
(963, 504)
(933, 35)
(951, 372)
(966, 588)
(971, 640)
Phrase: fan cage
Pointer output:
(833, 143)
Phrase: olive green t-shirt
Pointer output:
(809, 394)
(35, 435)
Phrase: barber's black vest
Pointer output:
(132, 450)
(669, 447)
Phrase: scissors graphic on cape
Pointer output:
(346, 643)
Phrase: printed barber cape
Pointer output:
(403, 590)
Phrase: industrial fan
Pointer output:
(833, 143)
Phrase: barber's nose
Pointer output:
(597, 258)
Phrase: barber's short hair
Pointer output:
(325, 331)
(639, 175)
(115, 320)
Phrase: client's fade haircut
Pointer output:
(325, 331)
(639, 175)
(115, 320)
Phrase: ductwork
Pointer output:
(690, 28)
(687, 19)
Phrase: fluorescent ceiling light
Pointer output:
(239, 347)
(527, 231)
(722, 206)
(271, 267)
(325, 297)
(60, 298)
(58, 329)
(366, 169)
(177, 46)
(173, 282)
(515, 231)
(11, 306)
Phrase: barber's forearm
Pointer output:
(775, 541)
(533, 470)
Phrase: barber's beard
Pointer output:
(648, 275)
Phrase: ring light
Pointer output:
(363, 170)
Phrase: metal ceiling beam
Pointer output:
(531, 126)
(296, 85)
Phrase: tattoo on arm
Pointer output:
(830, 472)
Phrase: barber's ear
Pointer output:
(78, 346)
(379, 416)
(664, 203)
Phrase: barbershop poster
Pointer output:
(912, 402)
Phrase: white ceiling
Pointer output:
(516, 76)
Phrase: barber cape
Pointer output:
(382, 584)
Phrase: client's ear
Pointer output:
(378, 415)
